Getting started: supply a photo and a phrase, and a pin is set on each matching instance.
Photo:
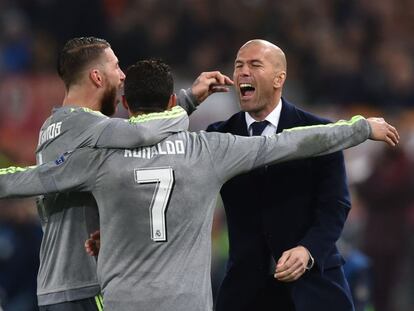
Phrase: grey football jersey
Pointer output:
(156, 205)
(66, 272)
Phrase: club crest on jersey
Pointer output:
(61, 159)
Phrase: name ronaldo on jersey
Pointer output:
(164, 148)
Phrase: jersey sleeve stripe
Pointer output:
(14, 169)
(354, 120)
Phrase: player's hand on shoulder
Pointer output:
(382, 131)
(93, 244)
(292, 264)
(208, 83)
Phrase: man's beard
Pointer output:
(109, 101)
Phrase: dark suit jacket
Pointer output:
(278, 207)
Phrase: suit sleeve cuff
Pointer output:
(311, 261)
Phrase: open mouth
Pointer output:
(246, 89)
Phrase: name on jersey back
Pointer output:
(52, 131)
(164, 148)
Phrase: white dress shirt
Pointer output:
(272, 118)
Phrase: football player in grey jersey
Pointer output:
(90, 71)
(156, 203)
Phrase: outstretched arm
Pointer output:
(317, 140)
(63, 175)
(235, 155)
(20, 182)
(103, 132)
(138, 131)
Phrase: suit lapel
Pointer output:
(241, 125)
(288, 117)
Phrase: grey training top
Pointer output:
(156, 205)
(66, 272)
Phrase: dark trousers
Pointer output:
(275, 296)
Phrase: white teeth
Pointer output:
(245, 85)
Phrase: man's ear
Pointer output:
(125, 103)
(279, 80)
(96, 77)
(172, 102)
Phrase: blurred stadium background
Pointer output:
(345, 57)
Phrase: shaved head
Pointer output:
(259, 73)
(274, 53)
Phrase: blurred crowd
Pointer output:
(342, 51)
(344, 57)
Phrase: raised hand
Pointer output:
(208, 83)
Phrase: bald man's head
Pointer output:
(259, 74)
(274, 53)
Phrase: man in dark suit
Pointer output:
(283, 220)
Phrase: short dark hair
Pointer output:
(76, 54)
(148, 85)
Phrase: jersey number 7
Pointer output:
(163, 178)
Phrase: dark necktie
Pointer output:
(258, 127)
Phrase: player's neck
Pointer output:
(82, 97)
